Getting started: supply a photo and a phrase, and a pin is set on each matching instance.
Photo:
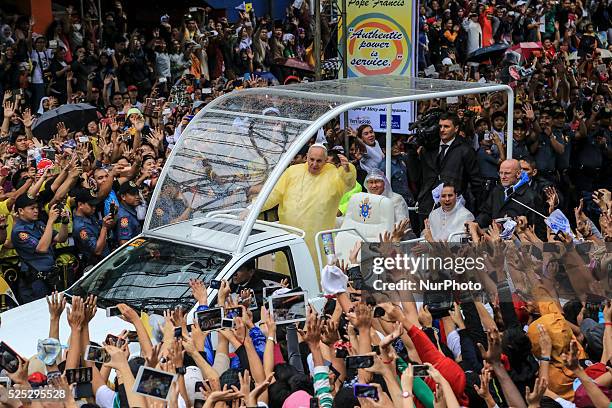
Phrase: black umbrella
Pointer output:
(491, 52)
(74, 115)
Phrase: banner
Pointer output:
(381, 40)
(376, 116)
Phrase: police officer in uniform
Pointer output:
(90, 234)
(128, 225)
(33, 241)
(546, 148)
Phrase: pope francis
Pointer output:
(308, 194)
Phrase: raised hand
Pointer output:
(570, 359)
(312, 335)
(362, 317)
(56, 303)
(90, 308)
(129, 314)
(27, 119)
(62, 131)
(493, 354)
(198, 291)
(552, 198)
(329, 332)
(400, 229)
(9, 109)
(533, 397)
(76, 313)
(425, 317)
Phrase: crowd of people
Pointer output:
(70, 197)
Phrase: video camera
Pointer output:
(427, 129)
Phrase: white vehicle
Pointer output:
(239, 143)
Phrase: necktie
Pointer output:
(441, 154)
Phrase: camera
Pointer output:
(427, 129)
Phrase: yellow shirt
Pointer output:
(6, 252)
(310, 202)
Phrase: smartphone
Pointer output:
(379, 312)
(215, 284)
(112, 311)
(354, 362)
(96, 354)
(5, 382)
(153, 383)
(49, 154)
(269, 290)
(289, 307)
(420, 370)
(113, 211)
(210, 319)
(113, 340)
(252, 305)
(227, 323)
(9, 359)
(230, 313)
(83, 139)
(178, 332)
(79, 375)
(198, 385)
(365, 391)
(131, 336)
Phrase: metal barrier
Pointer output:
(332, 231)
(276, 224)
(455, 234)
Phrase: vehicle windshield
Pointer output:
(151, 274)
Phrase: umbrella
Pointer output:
(526, 48)
(492, 52)
(75, 115)
(297, 64)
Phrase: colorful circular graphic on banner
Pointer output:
(377, 44)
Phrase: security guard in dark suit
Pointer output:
(128, 225)
(501, 202)
(451, 160)
(33, 240)
(90, 234)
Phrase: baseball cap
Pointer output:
(132, 88)
(24, 200)
(86, 196)
(558, 111)
(43, 165)
(129, 187)
(49, 350)
(133, 111)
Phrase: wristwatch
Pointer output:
(544, 358)
(181, 370)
